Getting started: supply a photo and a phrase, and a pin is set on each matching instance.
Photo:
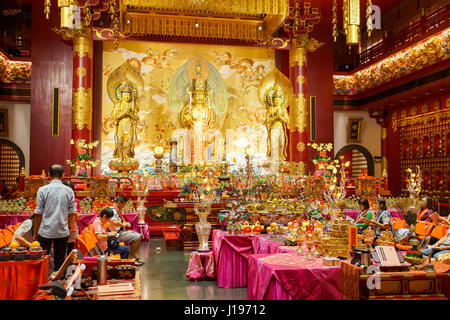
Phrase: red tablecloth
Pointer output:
(288, 276)
(201, 266)
(19, 280)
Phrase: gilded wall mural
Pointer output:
(229, 75)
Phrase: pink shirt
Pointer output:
(99, 228)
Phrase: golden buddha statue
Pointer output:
(197, 110)
(125, 119)
(275, 93)
(277, 121)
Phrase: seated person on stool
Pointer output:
(24, 234)
(119, 224)
(99, 227)
(440, 247)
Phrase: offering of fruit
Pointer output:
(35, 244)
(14, 245)
(257, 228)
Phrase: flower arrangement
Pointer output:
(335, 190)
(290, 239)
(191, 187)
(170, 182)
(232, 218)
(414, 182)
(321, 158)
(84, 160)
(86, 205)
(227, 189)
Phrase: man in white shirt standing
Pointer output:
(54, 215)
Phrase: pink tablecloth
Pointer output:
(12, 219)
(87, 219)
(145, 231)
(230, 255)
(288, 276)
(263, 245)
(201, 266)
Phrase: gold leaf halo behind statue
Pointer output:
(123, 76)
(271, 85)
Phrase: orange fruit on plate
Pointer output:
(14, 245)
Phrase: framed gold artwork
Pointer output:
(4, 130)
(354, 130)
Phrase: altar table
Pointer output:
(19, 280)
(411, 285)
(288, 276)
(201, 266)
(231, 253)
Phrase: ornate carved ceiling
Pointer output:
(245, 20)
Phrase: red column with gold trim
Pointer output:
(299, 111)
(82, 88)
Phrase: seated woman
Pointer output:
(436, 219)
(100, 226)
(440, 247)
(426, 210)
(364, 212)
(24, 234)
(382, 220)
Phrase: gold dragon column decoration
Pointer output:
(300, 22)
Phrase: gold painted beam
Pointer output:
(195, 27)
(240, 7)
(248, 20)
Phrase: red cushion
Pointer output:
(170, 236)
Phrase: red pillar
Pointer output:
(82, 89)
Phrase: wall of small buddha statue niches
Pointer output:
(424, 131)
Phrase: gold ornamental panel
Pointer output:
(82, 108)
(83, 44)
(248, 20)
(81, 72)
(300, 79)
(299, 113)
(233, 7)
(297, 56)
(301, 146)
